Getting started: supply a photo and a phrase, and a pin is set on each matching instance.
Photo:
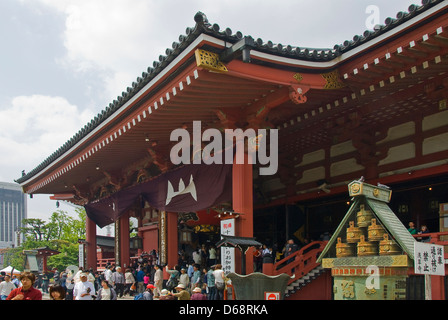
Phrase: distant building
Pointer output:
(13, 209)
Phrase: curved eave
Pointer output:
(148, 88)
(205, 34)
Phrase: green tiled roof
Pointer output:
(383, 215)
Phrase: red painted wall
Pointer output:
(318, 289)
(150, 235)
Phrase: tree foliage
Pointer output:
(60, 233)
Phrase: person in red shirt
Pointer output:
(26, 291)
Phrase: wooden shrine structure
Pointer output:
(373, 106)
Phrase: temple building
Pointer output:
(371, 108)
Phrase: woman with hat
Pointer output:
(166, 295)
(182, 294)
(149, 293)
(83, 290)
(198, 295)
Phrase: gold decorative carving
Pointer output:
(209, 60)
(369, 291)
(327, 263)
(376, 193)
(332, 80)
(298, 77)
(348, 289)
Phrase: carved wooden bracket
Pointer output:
(297, 94)
(159, 161)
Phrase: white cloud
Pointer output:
(33, 127)
(117, 38)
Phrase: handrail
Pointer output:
(304, 261)
(434, 237)
(101, 263)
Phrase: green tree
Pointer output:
(60, 233)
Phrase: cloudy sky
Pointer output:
(63, 61)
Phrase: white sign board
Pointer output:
(429, 259)
(227, 253)
(81, 255)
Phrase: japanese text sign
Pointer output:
(228, 254)
(429, 259)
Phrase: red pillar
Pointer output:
(172, 239)
(437, 288)
(44, 263)
(125, 246)
(90, 244)
(242, 197)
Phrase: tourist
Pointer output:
(45, 282)
(211, 289)
(166, 295)
(290, 248)
(158, 278)
(198, 295)
(211, 256)
(83, 290)
(108, 274)
(118, 281)
(258, 259)
(6, 287)
(146, 279)
(57, 292)
(15, 280)
(149, 292)
(174, 277)
(106, 292)
(26, 291)
(184, 278)
(197, 256)
(76, 277)
(182, 294)
(70, 286)
(129, 281)
(204, 256)
(63, 280)
(220, 284)
(424, 229)
(196, 278)
(411, 228)
(140, 280)
(56, 276)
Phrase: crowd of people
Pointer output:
(198, 275)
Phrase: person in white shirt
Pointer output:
(197, 256)
(108, 275)
(219, 282)
(76, 277)
(84, 290)
(158, 278)
(6, 287)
